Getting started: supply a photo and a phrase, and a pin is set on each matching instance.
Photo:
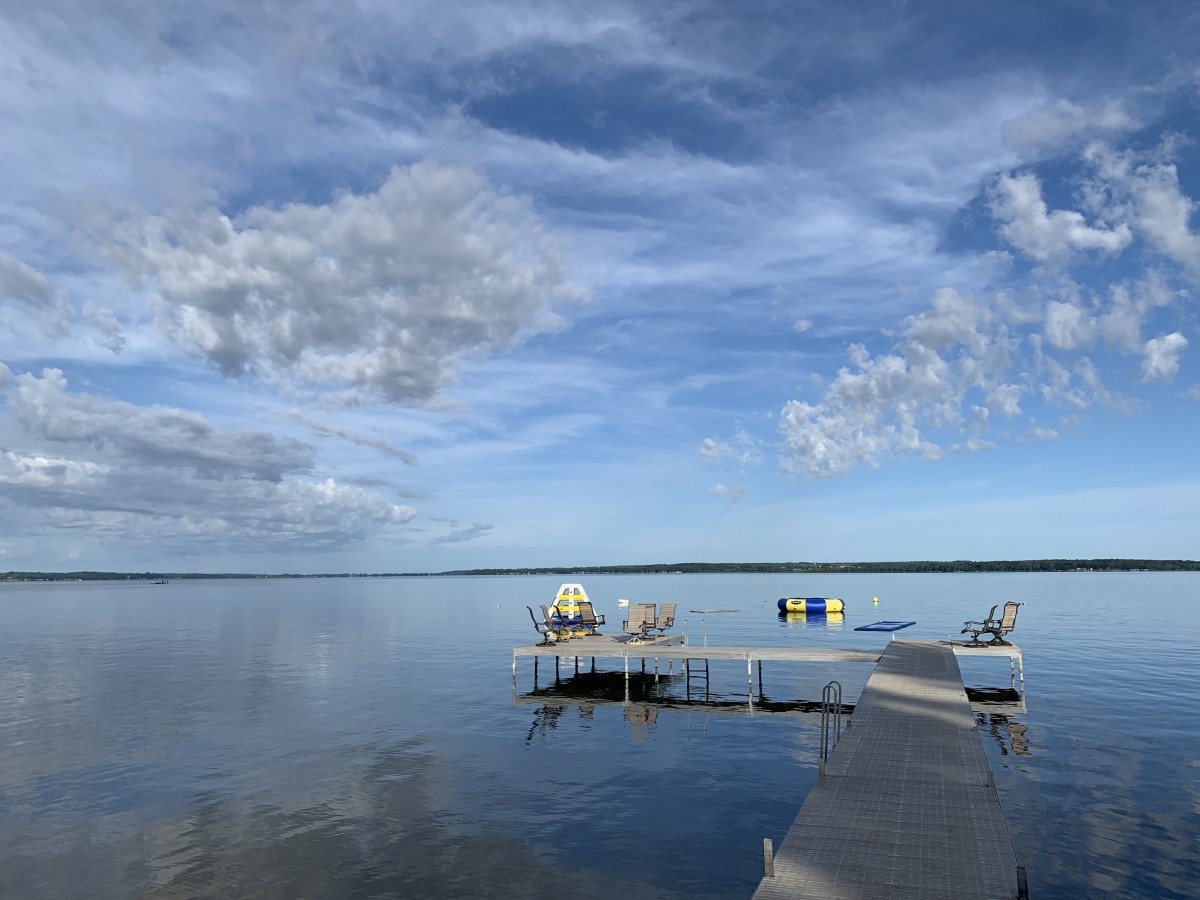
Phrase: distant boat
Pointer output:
(622, 602)
(160, 581)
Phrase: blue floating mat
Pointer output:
(884, 626)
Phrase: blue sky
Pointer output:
(426, 286)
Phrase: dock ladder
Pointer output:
(831, 720)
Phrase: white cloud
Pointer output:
(867, 415)
(1160, 360)
(953, 318)
(1052, 125)
(1067, 326)
(1005, 399)
(745, 450)
(732, 494)
(1121, 324)
(380, 293)
(1040, 433)
(459, 534)
(1046, 236)
(802, 325)
(363, 440)
(1144, 188)
(22, 282)
(167, 477)
(880, 408)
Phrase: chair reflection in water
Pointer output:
(992, 626)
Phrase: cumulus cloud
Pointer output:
(1160, 359)
(898, 404)
(1144, 188)
(1048, 236)
(1005, 399)
(732, 494)
(379, 293)
(1067, 325)
(802, 325)
(167, 476)
(1053, 125)
(745, 450)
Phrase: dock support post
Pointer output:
(768, 858)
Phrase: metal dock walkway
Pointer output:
(906, 806)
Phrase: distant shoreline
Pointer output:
(786, 568)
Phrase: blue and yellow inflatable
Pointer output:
(811, 605)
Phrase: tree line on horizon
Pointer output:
(785, 568)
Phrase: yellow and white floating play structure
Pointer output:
(567, 614)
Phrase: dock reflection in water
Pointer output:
(994, 710)
(831, 620)
(647, 697)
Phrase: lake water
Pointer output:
(362, 737)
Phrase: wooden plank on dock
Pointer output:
(906, 806)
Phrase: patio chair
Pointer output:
(987, 620)
(587, 615)
(666, 618)
(640, 621)
(542, 628)
(995, 628)
(559, 629)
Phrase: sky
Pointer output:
(419, 287)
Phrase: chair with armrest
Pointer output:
(559, 629)
(640, 621)
(666, 618)
(587, 615)
(993, 627)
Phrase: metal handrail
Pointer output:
(831, 713)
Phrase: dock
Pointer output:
(674, 647)
(906, 804)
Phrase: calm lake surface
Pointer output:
(362, 737)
